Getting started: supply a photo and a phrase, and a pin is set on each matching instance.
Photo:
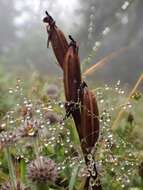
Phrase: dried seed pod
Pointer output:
(72, 81)
(89, 120)
(57, 39)
(72, 73)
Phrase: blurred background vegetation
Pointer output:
(101, 27)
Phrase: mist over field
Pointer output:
(104, 23)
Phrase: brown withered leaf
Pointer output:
(89, 120)
(90, 134)
(72, 73)
(72, 81)
(57, 39)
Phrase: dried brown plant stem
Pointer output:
(104, 61)
(119, 116)
(76, 94)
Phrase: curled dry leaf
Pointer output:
(89, 120)
(72, 82)
(57, 39)
(72, 73)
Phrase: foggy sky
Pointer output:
(103, 22)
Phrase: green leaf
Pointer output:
(73, 177)
(23, 170)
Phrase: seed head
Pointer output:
(42, 170)
(53, 91)
(52, 117)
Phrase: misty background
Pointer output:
(100, 27)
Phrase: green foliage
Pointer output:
(117, 154)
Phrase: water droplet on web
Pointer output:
(26, 160)
(89, 156)
(66, 151)
(129, 105)
(68, 140)
(122, 185)
(3, 125)
(122, 92)
(106, 31)
(89, 36)
(11, 121)
(53, 138)
(63, 167)
(61, 127)
(91, 182)
(42, 126)
(93, 9)
(101, 101)
(116, 88)
(10, 91)
(62, 105)
(25, 102)
(90, 29)
(125, 19)
(118, 83)
(94, 48)
(38, 111)
(92, 17)
(125, 5)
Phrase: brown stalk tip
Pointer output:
(48, 19)
(57, 39)
(73, 43)
(71, 38)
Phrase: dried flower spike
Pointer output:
(72, 73)
(57, 39)
(89, 120)
(42, 170)
(72, 82)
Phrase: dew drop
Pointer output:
(10, 91)
(11, 121)
(91, 182)
(101, 101)
(125, 5)
(3, 125)
(89, 156)
(62, 105)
